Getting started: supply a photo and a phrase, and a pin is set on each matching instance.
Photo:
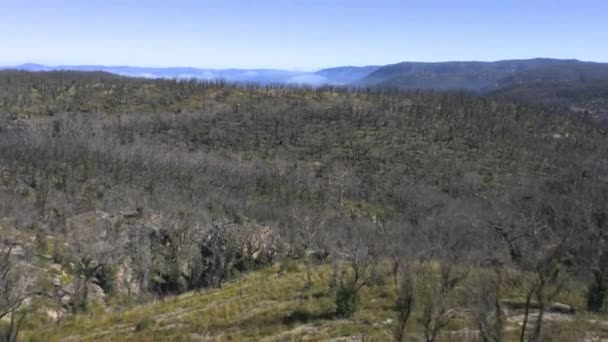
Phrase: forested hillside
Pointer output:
(462, 208)
(585, 97)
(483, 76)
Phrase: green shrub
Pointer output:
(106, 279)
(289, 265)
(144, 324)
(347, 301)
(596, 297)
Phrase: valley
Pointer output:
(155, 209)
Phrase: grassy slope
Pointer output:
(272, 304)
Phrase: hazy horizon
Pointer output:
(297, 35)
(303, 70)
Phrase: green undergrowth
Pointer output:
(274, 304)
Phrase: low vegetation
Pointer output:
(274, 304)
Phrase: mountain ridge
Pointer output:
(477, 76)
(474, 75)
(332, 76)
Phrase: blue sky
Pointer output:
(298, 34)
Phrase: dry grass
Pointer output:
(273, 305)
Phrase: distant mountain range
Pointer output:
(334, 76)
(474, 76)
(483, 76)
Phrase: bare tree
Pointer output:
(436, 303)
(220, 252)
(537, 228)
(15, 290)
(485, 305)
(590, 202)
(452, 242)
(96, 247)
(139, 250)
(309, 230)
(177, 262)
(548, 282)
(404, 304)
(358, 245)
(341, 178)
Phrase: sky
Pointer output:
(297, 34)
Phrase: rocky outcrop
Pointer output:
(561, 308)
